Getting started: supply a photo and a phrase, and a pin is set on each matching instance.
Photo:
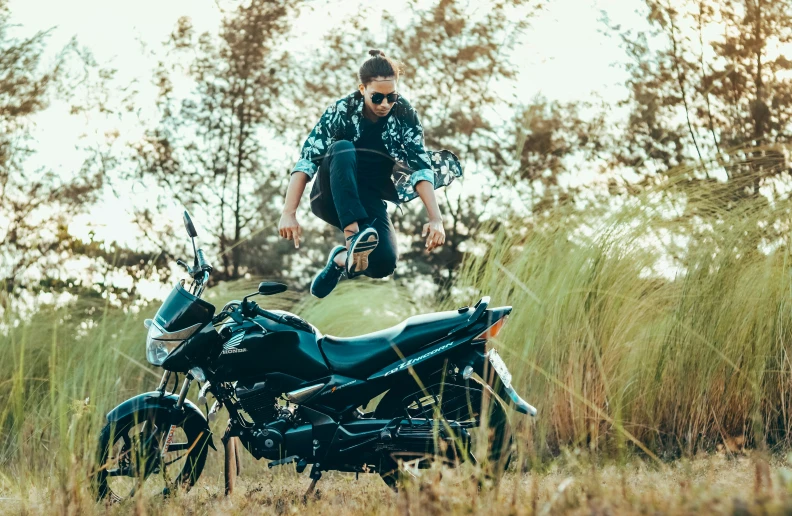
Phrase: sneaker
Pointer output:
(361, 244)
(327, 278)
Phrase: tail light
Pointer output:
(493, 330)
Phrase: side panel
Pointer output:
(419, 358)
(342, 393)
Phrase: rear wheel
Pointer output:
(130, 459)
(465, 403)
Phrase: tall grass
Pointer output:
(660, 324)
(625, 339)
(59, 373)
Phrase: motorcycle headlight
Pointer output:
(157, 349)
(159, 342)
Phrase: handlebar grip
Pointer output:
(263, 313)
(202, 263)
(282, 319)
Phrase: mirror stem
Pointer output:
(195, 253)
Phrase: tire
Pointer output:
(464, 402)
(128, 455)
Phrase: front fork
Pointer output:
(179, 404)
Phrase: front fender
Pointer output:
(155, 401)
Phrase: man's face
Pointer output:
(384, 85)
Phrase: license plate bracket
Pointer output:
(500, 368)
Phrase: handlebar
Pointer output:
(203, 265)
(200, 273)
(282, 319)
(257, 310)
(200, 283)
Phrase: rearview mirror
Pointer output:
(189, 225)
(268, 288)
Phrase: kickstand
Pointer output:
(315, 475)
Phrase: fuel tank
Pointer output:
(260, 346)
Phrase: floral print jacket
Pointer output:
(403, 139)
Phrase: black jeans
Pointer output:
(337, 199)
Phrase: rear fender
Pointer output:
(157, 402)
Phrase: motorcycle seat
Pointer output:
(361, 356)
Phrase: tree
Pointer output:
(208, 151)
(710, 93)
(35, 205)
(722, 99)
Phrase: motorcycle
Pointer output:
(295, 396)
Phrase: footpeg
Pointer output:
(281, 462)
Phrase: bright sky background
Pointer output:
(564, 56)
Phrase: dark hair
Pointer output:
(378, 66)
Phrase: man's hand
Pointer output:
(289, 228)
(434, 233)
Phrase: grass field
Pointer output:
(574, 485)
(653, 337)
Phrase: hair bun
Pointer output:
(376, 53)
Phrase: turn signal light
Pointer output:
(493, 330)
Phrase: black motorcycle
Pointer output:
(294, 395)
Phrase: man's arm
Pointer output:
(432, 230)
(288, 227)
(417, 158)
(422, 178)
(315, 146)
(313, 150)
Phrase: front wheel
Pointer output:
(130, 459)
(464, 402)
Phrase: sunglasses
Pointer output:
(377, 98)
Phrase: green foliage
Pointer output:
(60, 372)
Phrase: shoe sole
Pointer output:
(358, 261)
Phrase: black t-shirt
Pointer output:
(374, 164)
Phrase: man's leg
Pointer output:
(382, 261)
(335, 197)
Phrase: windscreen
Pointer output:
(181, 310)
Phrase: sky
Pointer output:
(565, 56)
